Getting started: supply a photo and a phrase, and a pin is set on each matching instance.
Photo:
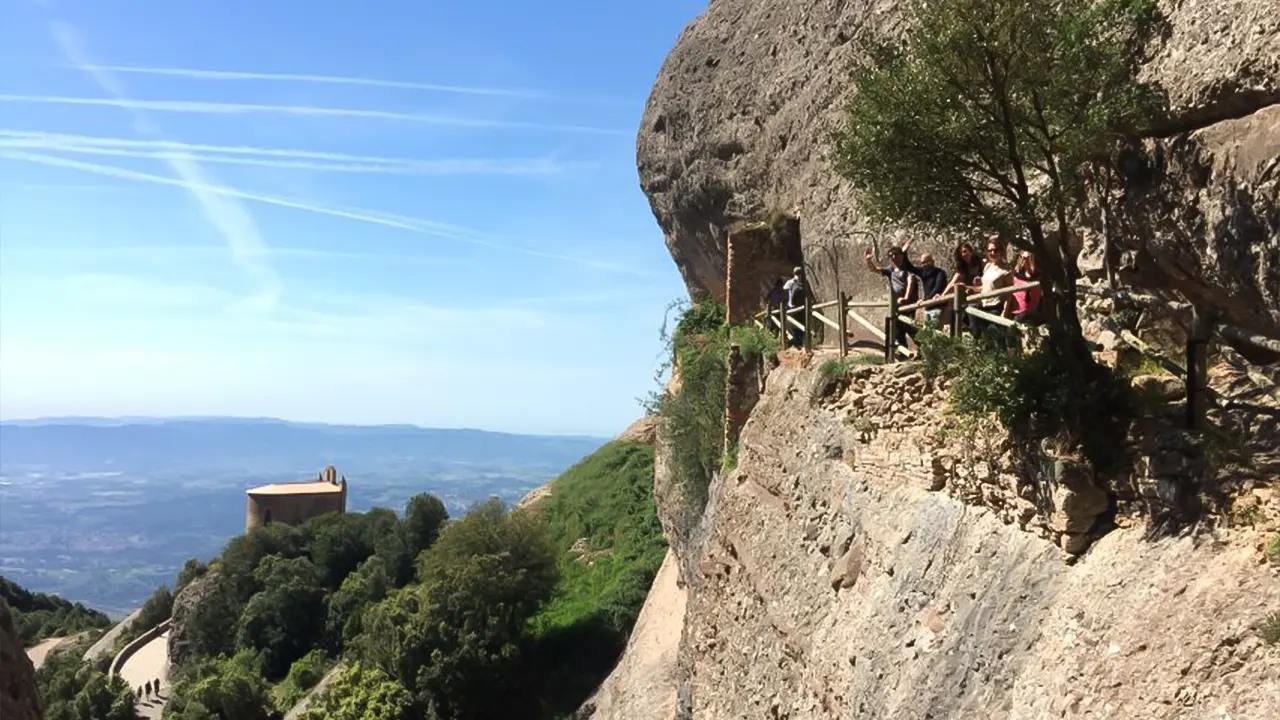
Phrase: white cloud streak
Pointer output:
(197, 107)
(373, 217)
(231, 219)
(196, 74)
(277, 157)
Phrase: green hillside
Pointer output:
(38, 616)
(498, 613)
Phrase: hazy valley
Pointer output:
(102, 511)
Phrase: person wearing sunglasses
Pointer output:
(996, 275)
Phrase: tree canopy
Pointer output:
(985, 116)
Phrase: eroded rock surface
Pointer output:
(19, 699)
(194, 598)
(643, 685)
(834, 583)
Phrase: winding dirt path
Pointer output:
(150, 662)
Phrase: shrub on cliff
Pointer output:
(986, 116)
(154, 611)
(1031, 394)
(693, 416)
(361, 693)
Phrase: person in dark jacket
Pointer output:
(933, 283)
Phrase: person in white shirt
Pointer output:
(795, 290)
(995, 276)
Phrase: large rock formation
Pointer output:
(853, 569)
(643, 685)
(19, 699)
(738, 123)
(195, 598)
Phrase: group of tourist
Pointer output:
(910, 282)
(152, 687)
(977, 274)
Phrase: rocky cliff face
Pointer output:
(19, 699)
(856, 570)
(194, 598)
(738, 122)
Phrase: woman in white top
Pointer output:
(995, 275)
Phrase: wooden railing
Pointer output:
(836, 314)
(844, 309)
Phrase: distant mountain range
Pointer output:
(139, 444)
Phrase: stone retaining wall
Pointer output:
(127, 652)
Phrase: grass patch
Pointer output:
(1272, 550)
(833, 369)
(606, 499)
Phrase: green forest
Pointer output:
(512, 613)
(38, 616)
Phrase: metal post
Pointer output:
(842, 306)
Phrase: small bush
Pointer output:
(1032, 393)
(753, 342)
(303, 675)
(1272, 551)
(1270, 630)
(833, 369)
(730, 460)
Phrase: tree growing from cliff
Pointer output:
(983, 118)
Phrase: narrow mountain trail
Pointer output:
(37, 653)
(150, 662)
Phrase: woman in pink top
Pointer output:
(1025, 302)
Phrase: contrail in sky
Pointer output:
(319, 79)
(198, 107)
(403, 222)
(278, 157)
(307, 78)
(231, 219)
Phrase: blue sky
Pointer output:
(379, 212)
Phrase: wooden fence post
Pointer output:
(957, 311)
(891, 333)
(888, 342)
(842, 307)
(782, 326)
(808, 320)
